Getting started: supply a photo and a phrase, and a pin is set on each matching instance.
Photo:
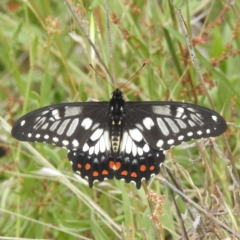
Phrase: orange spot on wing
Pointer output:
(95, 174)
(124, 173)
(134, 174)
(104, 172)
(79, 165)
(87, 166)
(111, 164)
(114, 166)
(118, 165)
(152, 168)
(143, 168)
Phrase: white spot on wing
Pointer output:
(170, 141)
(160, 143)
(191, 123)
(208, 131)
(146, 148)
(162, 110)
(38, 135)
(72, 127)
(124, 141)
(72, 111)
(181, 123)
(54, 126)
(55, 114)
(65, 142)
(22, 122)
(40, 122)
(29, 135)
(97, 134)
(45, 126)
(102, 144)
(199, 132)
(162, 127)
(197, 119)
(63, 126)
(91, 150)
(134, 149)
(172, 125)
(85, 147)
(136, 134)
(75, 143)
(128, 145)
(106, 138)
(55, 139)
(140, 151)
(148, 123)
(189, 134)
(179, 112)
(46, 136)
(86, 123)
(214, 118)
(180, 138)
(96, 148)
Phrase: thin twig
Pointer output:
(83, 29)
(179, 215)
(110, 43)
(193, 55)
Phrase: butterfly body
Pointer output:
(125, 140)
(116, 114)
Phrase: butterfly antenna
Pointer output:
(100, 75)
(133, 75)
(74, 11)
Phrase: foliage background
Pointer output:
(41, 64)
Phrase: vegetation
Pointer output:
(44, 60)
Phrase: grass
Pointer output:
(41, 64)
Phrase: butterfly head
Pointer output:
(117, 94)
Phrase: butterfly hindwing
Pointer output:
(93, 159)
(136, 159)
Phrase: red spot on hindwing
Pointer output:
(143, 168)
(114, 166)
(105, 172)
(87, 166)
(152, 168)
(134, 174)
(118, 165)
(111, 164)
(124, 173)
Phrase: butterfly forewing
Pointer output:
(167, 124)
(67, 125)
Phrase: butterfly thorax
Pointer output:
(116, 112)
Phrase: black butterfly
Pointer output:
(118, 139)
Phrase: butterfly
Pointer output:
(119, 138)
